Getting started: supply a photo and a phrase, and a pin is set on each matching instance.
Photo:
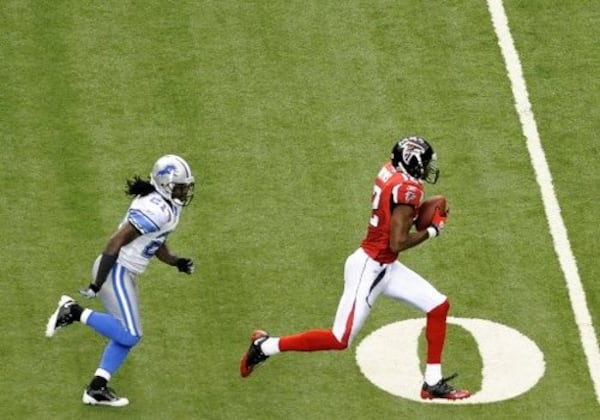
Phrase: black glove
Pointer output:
(185, 265)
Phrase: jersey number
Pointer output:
(153, 246)
(375, 205)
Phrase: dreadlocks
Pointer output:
(138, 186)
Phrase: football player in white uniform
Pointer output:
(153, 214)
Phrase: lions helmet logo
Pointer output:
(166, 170)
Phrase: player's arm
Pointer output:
(164, 254)
(401, 238)
(119, 239)
(185, 265)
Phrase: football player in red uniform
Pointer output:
(374, 269)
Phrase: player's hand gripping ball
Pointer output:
(427, 216)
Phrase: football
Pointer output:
(427, 210)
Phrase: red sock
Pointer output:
(435, 332)
(312, 340)
(315, 340)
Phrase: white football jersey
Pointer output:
(155, 219)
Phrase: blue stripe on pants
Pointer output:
(123, 299)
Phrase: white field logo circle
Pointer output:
(512, 363)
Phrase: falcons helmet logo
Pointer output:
(412, 149)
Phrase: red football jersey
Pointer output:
(391, 188)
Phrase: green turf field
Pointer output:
(285, 110)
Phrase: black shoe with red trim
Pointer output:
(444, 390)
(254, 355)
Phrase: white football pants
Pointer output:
(365, 279)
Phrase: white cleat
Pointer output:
(61, 317)
(103, 396)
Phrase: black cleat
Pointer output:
(254, 355)
(103, 396)
(444, 390)
(62, 316)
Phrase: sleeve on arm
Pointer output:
(407, 193)
(142, 222)
(147, 217)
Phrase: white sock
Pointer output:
(85, 315)
(270, 346)
(103, 374)
(433, 373)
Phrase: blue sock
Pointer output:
(114, 356)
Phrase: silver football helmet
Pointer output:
(172, 177)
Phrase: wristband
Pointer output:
(432, 232)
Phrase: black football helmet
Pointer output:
(415, 156)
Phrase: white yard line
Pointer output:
(558, 230)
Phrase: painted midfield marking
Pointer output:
(512, 363)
